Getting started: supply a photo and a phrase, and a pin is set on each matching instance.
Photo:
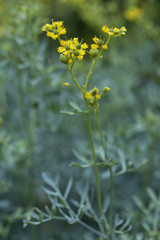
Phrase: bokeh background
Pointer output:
(36, 138)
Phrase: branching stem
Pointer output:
(94, 157)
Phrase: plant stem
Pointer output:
(74, 79)
(94, 61)
(100, 130)
(94, 158)
(110, 170)
(111, 196)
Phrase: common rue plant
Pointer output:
(107, 226)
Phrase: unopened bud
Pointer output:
(93, 53)
(106, 89)
(64, 58)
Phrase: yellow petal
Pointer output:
(61, 49)
(88, 95)
(97, 97)
(66, 84)
(81, 52)
(105, 29)
(84, 46)
(105, 47)
(95, 39)
(62, 31)
(80, 58)
(94, 46)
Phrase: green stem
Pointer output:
(94, 61)
(74, 79)
(100, 130)
(94, 158)
(111, 196)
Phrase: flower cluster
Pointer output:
(114, 31)
(99, 43)
(95, 95)
(72, 49)
(54, 30)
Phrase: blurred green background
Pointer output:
(36, 138)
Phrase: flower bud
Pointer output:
(93, 52)
(106, 89)
(123, 34)
(76, 53)
(116, 31)
(64, 58)
(123, 29)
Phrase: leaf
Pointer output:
(137, 167)
(70, 220)
(122, 163)
(49, 192)
(67, 112)
(49, 181)
(101, 153)
(106, 204)
(48, 210)
(74, 105)
(80, 156)
(152, 194)
(74, 164)
(146, 227)
(123, 225)
(68, 189)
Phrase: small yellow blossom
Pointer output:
(88, 95)
(133, 13)
(93, 95)
(66, 84)
(54, 30)
(114, 31)
(73, 49)
(107, 30)
(97, 96)
(95, 90)
(99, 43)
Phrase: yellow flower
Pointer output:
(66, 84)
(114, 31)
(54, 30)
(73, 49)
(107, 30)
(93, 95)
(97, 96)
(95, 90)
(88, 95)
(133, 13)
(99, 43)
(52, 35)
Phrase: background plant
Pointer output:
(131, 122)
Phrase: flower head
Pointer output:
(73, 49)
(93, 95)
(54, 30)
(88, 95)
(99, 43)
(114, 31)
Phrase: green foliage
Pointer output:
(35, 138)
